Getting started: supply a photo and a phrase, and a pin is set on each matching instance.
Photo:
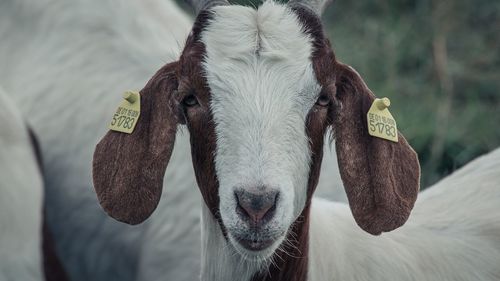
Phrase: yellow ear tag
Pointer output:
(127, 114)
(381, 124)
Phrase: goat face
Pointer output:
(257, 90)
(258, 93)
(262, 90)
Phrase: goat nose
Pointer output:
(257, 208)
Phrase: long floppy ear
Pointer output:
(381, 178)
(128, 169)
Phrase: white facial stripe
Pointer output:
(263, 85)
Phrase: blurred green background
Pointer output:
(439, 63)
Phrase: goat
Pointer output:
(258, 90)
(63, 64)
(21, 199)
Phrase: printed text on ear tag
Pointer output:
(381, 124)
(127, 114)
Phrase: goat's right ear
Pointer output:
(128, 169)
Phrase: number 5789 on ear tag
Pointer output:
(127, 114)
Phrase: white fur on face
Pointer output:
(262, 82)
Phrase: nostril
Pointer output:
(240, 210)
(256, 207)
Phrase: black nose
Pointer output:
(256, 207)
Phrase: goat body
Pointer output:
(21, 199)
(453, 234)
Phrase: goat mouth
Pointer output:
(255, 244)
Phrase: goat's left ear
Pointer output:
(128, 169)
(381, 178)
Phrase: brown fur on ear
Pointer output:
(381, 178)
(128, 169)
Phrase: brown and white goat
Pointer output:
(258, 89)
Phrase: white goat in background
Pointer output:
(21, 199)
(258, 89)
(65, 64)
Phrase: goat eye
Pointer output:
(323, 100)
(190, 101)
